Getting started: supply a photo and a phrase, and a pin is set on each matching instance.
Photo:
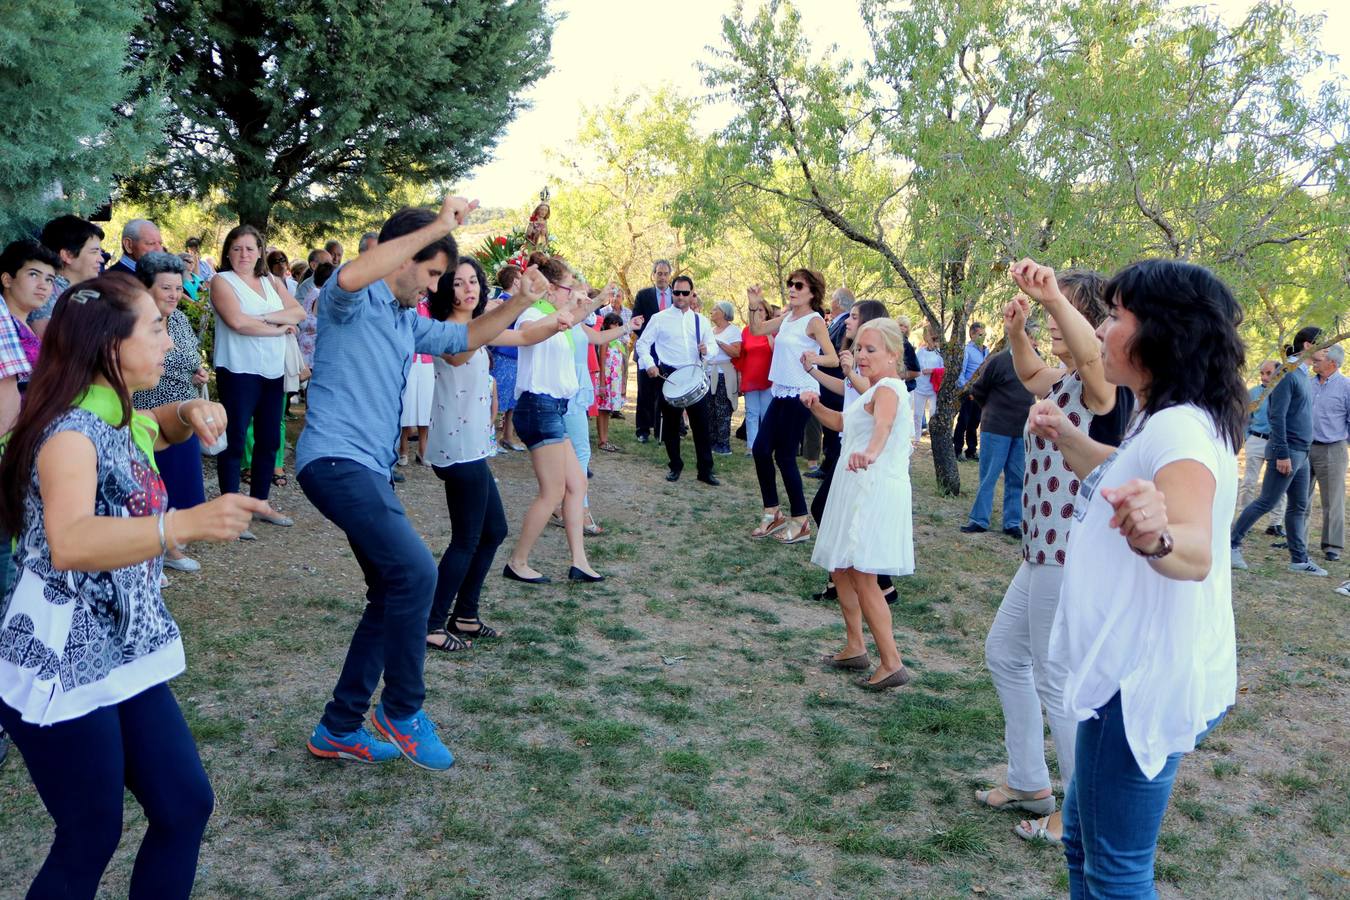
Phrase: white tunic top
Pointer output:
(546, 368)
(245, 354)
(1167, 646)
(461, 412)
(786, 372)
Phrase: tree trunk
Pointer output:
(253, 203)
(940, 429)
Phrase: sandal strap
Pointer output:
(453, 642)
(484, 630)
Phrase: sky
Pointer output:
(605, 49)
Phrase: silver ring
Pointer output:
(210, 419)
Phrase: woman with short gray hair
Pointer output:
(180, 465)
(725, 383)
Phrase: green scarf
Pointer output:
(549, 309)
(104, 403)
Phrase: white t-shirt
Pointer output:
(1168, 646)
(461, 412)
(547, 368)
(729, 335)
(928, 359)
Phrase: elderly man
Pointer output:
(1254, 450)
(649, 302)
(1328, 456)
(334, 248)
(139, 237)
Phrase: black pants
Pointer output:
(647, 420)
(967, 426)
(477, 529)
(700, 429)
(249, 398)
(780, 434)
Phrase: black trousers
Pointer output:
(700, 429)
(647, 421)
(967, 426)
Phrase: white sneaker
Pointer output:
(182, 564)
(1238, 561)
(1308, 568)
(1344, 589)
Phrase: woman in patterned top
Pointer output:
(86, 644)
(1017, 648)
(180, 465)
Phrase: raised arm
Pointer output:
(381, 260)
(603, 338)
(1035, 374)
(757, 320)
(529, 288)
(1080, 337)
(1179, 501)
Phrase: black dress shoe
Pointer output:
(1275, 530)
(1014, 533)
(972, 528)
(672, 475)
(709, 479)
(973, 457)
(508, 572)
(1280, 545)
(575, 574)
(1333, 555)
(642, 439)
(813, 472)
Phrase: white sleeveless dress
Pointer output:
(868, 522)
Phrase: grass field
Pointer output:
(668, 733)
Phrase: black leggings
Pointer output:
(780, 434)
(81, 769)
(249, 398)
(477, 529)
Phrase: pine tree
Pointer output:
(300, 108)
(72, 115)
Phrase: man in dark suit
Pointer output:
(649, 302)
(139, 237)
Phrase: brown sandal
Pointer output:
(787, 537)
(768, 524)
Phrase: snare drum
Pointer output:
(685, 386)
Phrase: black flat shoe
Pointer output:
(575, 574)
(830, 594)
(709, 479)
(1275, 530)
(510, 573)
(972, 528)
(672, 476)
(1014, 533)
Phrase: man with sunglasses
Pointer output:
(680, 338)
(648, 302)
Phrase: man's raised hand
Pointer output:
(532, 284)
(454, 210)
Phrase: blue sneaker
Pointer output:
(360, 746)
(416, 739)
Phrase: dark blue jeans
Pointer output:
(779, 437)
(1273, 486)
(477, 529)
(249, 398)
(390, 639)
(81, 769)
(1112, 813)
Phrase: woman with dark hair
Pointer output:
(1017, 650)
(87, 646)
(180, 465)
(799, 329)
(279, 266)
(254, 313)
(504, 361)
(1150, 652)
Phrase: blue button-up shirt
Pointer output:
(1331, 409)
(1260, 420)
(362, 356)
(975, 355)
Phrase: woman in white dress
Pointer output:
(867, 529)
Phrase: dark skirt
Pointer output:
(180, 465)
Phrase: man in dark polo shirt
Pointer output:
(1004, 405)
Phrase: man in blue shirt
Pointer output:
(368, 331)
(1328, 456)
(1254, 450)
(968, 417)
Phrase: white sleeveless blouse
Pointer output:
(786, 372)
(245, 354)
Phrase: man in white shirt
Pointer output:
(681, 338)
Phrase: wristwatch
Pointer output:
(1164, 547)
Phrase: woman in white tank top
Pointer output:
(799, 330)
(254, 313)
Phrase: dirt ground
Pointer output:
(669, 732)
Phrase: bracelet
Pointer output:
(178, 411)
(163, 541)
(171, 540)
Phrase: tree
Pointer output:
(71, 120)
(300, 108)
(1004, 131)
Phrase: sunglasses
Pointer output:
(799, 285)
(681, 293)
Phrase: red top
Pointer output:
(756, 356)
(423, 310)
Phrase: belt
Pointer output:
(1265, 436)
(1327, 443)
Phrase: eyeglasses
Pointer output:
(681, 293)
(561, 287)
(799, 285)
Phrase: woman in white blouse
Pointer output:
(254, 314)
(1150, 651)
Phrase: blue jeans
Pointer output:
(390, 639)
(999, 454)
(756, 405)
(477, 529)
(578, 425)
(538, 420)
(82, 768)
(1112, 813)
(1274, 486)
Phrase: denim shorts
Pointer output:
(539, 420)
